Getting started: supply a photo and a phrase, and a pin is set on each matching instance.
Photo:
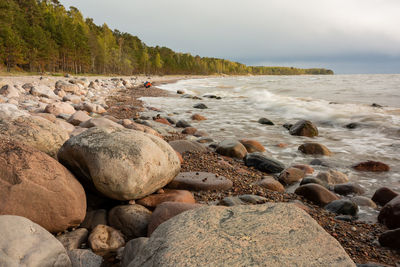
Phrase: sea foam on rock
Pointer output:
(122, 164)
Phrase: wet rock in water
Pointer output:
(94, 218)
(352, 125)
(25, 243)
(131, 220)
(200, 181)
(315, 149)
(390, 239)
(245, 225)
(132, 249)
(306, 168)
(316, 193)
(121, 164)
(291, 175)
(287, 125)
(313, 180)
(348, 189)
(384, 195)
(104, 240)
(84, 257)
(333, 177)
(265, 121)
(182, 124)
(271, 184)
(371, 166)
(74, 239)
(163, 121)
(304, 128)
(180, 92)
(200, 106)
(198, 117)
(59, 108)
(200, 134)
(390, 214)
(183, 146)
(210, 96)
(363, 202)
(171, 120)
(343, 206)
(231, 148)
(78, 118)
(263, 163)
(375, 105)
(166, 211)
(252, 146)
(189, 130)
(36, 186)
(169, 195)
(319, 162)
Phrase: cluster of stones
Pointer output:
(113, 188)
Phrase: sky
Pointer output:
(348, 36)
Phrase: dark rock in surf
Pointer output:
(287, 125)
(342, 206)
(200, 106)
(384, 195)
(182, 124)
(304, 128)
(371, 166)
(265, 121)
(263, 163)
(390, 214)
(390, 239)
(348, 189)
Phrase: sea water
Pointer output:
(331, 102)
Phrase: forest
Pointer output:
(43, 36)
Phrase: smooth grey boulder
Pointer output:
(25, 243)
(43, 91)
(183, 146)
(273, 234)
(131, 250)
(122, 164)
(100, 122)
(84, 258)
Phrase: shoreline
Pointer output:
(116, 102)
(357, 238)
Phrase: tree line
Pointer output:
(43, 36)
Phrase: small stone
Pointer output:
(372, 166)
(198, 117)
(315, 149)
(231, 148)
(291, 175)
(154, 200)
(200, 106)
(105, 240)
(348, 189)
(342, 206)
(316, 193)
(265, 121)
(304, 128)
(252, 146)
(271, 184)
(74, 239)
(333, 177)
(189, 130)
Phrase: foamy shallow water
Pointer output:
(331, 102)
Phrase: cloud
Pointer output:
(274, 29)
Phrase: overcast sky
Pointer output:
(348, 36)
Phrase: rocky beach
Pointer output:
(90, 175)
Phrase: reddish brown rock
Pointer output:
(384, 195)
(390, 214)
(390, 239)
(163, 121)
(198, 117)
(154, 200)
(306, 168)
(271, 184)
(167, 210)
(315, 149)
(316, 193)
(200, 181)
(38, 187)
(252, 146)
(189, 130)
(371, 166)
(291, 175)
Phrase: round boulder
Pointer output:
(316, 193)
(200, 181)
(304, 128)
(231, 148)
(271, 184)
(315, 149)
(122, 164)
(25, 243)
(36, 186)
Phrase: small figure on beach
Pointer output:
(147, 84)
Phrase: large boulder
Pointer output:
(31, 130)
(316, 193)
(121, 164)
(25, 243)
(304, 128)
(36, 186)
(390, 214)
(263, 163)
(272, 234)
(231, 148)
